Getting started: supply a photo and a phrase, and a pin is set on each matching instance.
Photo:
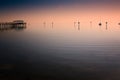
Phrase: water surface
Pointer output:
(61, 51)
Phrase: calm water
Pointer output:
(64, 51)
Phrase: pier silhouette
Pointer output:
(17, 24)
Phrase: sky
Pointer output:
(58, 10)
(10, 4)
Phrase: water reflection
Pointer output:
(9, 29)
(60, 54)
(106, 25)
(78, 25)
(52, 24)
(44, 24)
(74, 24)
(90, 24)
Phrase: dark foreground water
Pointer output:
(58, 52)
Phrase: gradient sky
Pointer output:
(8, 4)
(59, 10)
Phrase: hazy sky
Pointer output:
(9, 4)
(57, 10)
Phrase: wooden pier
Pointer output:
(14, 24)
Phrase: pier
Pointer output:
(14, 24)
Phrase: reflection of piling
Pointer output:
(52, 24)
(91, 24)
(74, 24)
(106, 25)
(78, 25)
(44, 23)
